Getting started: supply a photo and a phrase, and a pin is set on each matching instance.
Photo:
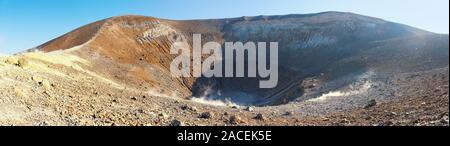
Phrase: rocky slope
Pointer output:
(54, 89)
(335, 69)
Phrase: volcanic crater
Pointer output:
(329, 62)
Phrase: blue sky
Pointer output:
(27, 23)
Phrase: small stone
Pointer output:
(194, 109)
(23, 63)
(260, 117)
(187, 107)
(345, 121)
(288, 113)
(46, 84)
(366, 117)
(235, 120)
(393, 114)
(163, 115)
(184, 107)
(206, 115)
(249, 108)
(371, 103)
(176, 123)
(387, 123)
(133, 98)
(444, 119)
